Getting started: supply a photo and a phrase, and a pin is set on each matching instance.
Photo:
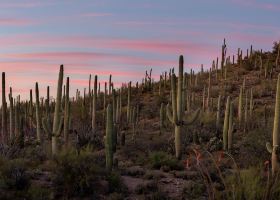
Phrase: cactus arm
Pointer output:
(169, 114)
(58, 132)
(190, 118)
(46, 126)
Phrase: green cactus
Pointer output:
(226, 125)
(38, 116)
(94, 106)
(277, 57)
(110, 84)
(274, 148)
(224, 52)
(66, 115)
(251, 104)
(240, 106)
(109, 138)
(17, 123)
(4, 110)
(134, 122)
(30, 109)
(12, 120)
(175, 115)
(218, 117)
(208, 93)
(115, 134)
(58, 117)
(246, 112)
(128, 102)
(104, 101)
(203, 99)
(161, 118)
(230, 127)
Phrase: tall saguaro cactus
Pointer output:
(109, 138)
(128, 112)
(67, 114)
(176, 114)
(12, 119)
(4, 110)
(58, 118)
(274, 149)
(226, 124)
(94, 105)
(38, 117)
(218, 117)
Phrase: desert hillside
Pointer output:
(204, 134)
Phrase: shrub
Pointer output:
(76, 174)
(159, 159)
(13, 175)
(115, 183)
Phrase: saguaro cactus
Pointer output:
(67, 113)
(274, 149)
(38, 117)
(230, 127)
(58, 118)
(94, 105)
(161, 118)
(4, 110)
(175, 115)
(218, 117)
(226, 125)
(224, 52)
(109, 138)
(12, 120)
(240, 105)
(128, 102)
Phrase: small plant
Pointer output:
(115, 183)
(76, 174)
(160, 159)
(13, 175)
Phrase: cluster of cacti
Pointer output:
(176, 115)
(186, 92)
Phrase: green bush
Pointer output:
(76, 174)
(13, 175)
(252, 185)
(115, 183)
(39, 193)
(159, 159)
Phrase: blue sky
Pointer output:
(124, 37)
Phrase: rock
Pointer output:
(136, 171)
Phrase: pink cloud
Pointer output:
(96, 14)
(257, 4)
(26, 4)
(144, 45)
(15, 22)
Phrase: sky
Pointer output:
(124, 37)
